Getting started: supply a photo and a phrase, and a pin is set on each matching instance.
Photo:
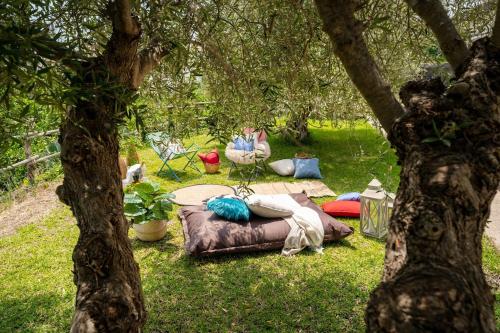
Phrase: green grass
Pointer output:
(350, 157)
(243, 293)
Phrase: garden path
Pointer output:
(29, 208)
(493, 227)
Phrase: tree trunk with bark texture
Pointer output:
(436, 17)
(433, 277)
(297, 126)
(109, 294)
(495, 37)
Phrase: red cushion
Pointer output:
(342, 208)
(211, 157)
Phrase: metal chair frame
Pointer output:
(159, 139)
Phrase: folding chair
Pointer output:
(169, 150)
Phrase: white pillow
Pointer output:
(271, 206)
(283, 167)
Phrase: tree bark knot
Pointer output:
(109, 298)
(79, 149)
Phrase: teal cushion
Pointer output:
(306, 168)
(230, 209)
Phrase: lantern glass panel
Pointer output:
(366, 224)
(370, 216)
(375, 214)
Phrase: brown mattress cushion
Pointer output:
(205, 233)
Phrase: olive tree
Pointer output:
(91, 58)
(446, 138)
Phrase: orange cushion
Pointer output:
(342, 208)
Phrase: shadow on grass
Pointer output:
(25, 314)
(162, 245)
(184, 175)
(253, 293)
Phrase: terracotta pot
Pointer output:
(151, 231)
(122, 162)
(211, 168)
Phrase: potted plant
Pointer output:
(147, 207)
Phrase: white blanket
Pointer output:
(306, 230)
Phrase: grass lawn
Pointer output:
(244, 293)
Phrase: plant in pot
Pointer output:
(147, 207)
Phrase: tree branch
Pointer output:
(147, 60)
(121, 50)
(450, 42)
(348, 44)
(123, 20)
(214, 52)
(495, 38)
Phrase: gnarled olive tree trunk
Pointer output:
(109, 295)
(297, 128)
(448, 144)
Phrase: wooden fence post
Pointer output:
(30, 166)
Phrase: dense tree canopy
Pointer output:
(258, 60)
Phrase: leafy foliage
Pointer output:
(146, 202)
(262, 64)
(45, 49)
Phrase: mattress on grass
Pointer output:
(205, 233)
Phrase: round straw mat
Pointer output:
(196, 194)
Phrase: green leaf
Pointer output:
(446, 142)
(430, 140)
(141, 219)
(436, 131)
(144, 188)
(134, 210)
(164, 196)
(159, 210)
(146, 192)
(156, 186)
(167, 205)
(146, 198)
(132, 198)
